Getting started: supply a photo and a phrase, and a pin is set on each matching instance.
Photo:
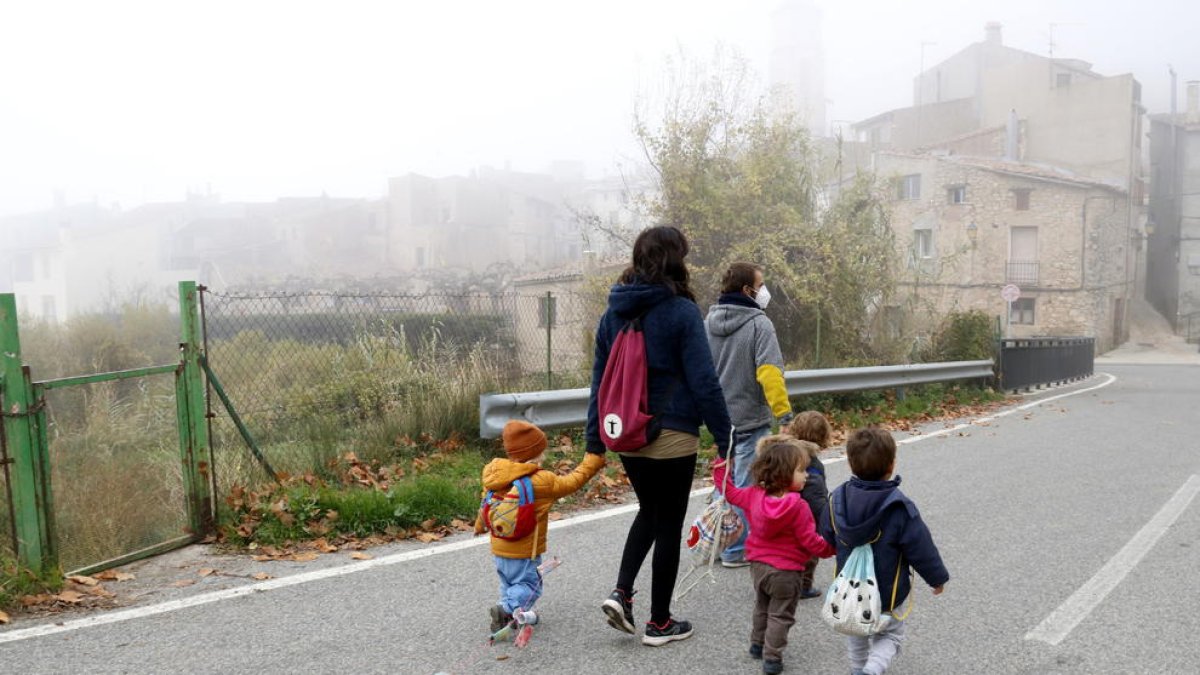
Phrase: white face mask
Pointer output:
(762, 297)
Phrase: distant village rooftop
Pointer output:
(1033, 170)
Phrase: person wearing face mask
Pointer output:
(749, 365)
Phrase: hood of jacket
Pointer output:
(859, 507)
(500, 473)
(725, 318)
(630, 300)
(775, 519)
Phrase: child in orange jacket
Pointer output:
(517, 560)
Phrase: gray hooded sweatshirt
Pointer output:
(749, 363)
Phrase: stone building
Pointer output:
(472, 222)
(965, 227)
(555, 312)
(1013, 167)
(1069, 115)
(1173, 244)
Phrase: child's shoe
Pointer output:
(500, 618)
(525, 617)
(773, 667)
(669, 631)
(755, 651)
(619, 610)
(809, 593)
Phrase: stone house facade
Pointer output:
(966, 227)
(1173, 242)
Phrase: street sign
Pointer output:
(1010, 293)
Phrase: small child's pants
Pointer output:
(520, 582)
(810, 570)
(777, 592)
(874, 654)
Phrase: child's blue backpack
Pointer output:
(512, 515)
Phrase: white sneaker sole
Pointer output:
(616, 616)
(660, 641)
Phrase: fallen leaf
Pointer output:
(114, 575)
(305, 557)
(183, 582)
(4, 618)
(69, 596)
(361, 556)
(102, 592)
(81, 579)
(427, 537)
(555, 516)
(261, 576)
(428, 524)
(324, 546)
(502, 657)
(261, 558)
(205, 571)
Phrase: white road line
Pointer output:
(13, 635)
(1056, 627)
(1006, 413)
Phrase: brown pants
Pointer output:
(777, 592)
(806, 577)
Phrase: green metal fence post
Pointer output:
(194, 447)
(30, 476)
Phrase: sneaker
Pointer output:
(500, 618)
(525, 617)
(735, 563)
(619, 610)
(755, 651)
(772, 667)
(669, 631)
(808, 593)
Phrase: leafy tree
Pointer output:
(740, 177)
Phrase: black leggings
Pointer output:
(662, 487)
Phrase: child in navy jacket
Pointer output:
(869, 508)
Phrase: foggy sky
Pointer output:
(132, 102)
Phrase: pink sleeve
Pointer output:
(806, 533)
(733, 494)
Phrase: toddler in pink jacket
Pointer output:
(783, 538)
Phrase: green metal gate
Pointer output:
(97, 478)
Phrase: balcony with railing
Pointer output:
(1023, 272)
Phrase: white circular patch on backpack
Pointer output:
(612, 426)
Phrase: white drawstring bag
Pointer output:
(852, 603)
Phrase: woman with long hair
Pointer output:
(683, 392)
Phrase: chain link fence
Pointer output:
(115, 468)
(317, 375)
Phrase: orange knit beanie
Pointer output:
(522, 440)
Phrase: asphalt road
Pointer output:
(1025, 509)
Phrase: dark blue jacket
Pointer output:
(682, 382)
(864, 510)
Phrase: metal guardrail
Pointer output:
(1033, 362)
(568, 407)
